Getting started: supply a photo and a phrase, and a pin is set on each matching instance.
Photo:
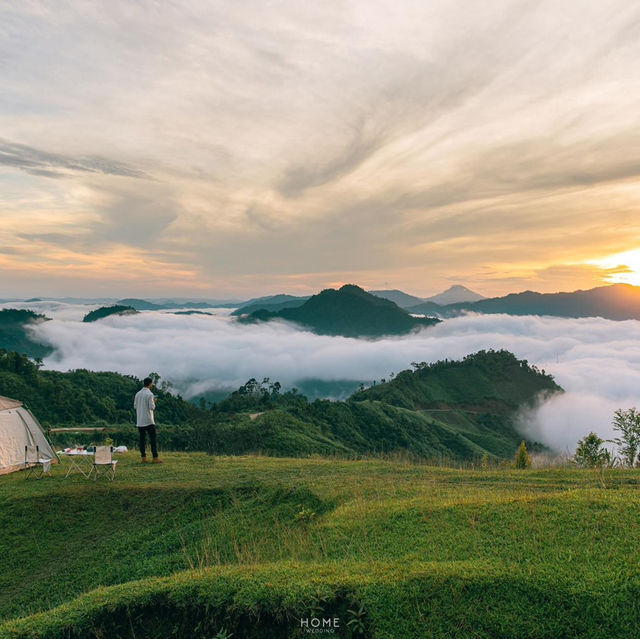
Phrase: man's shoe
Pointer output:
(157, 461)
(143, 460)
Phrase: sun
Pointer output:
(623, 268)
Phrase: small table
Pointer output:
(80, 461)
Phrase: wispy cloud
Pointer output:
(419, 146)
(42, 163)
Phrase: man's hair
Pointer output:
(147, 381)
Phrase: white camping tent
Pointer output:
(19, 428)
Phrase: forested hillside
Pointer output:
(451, 409)
(456, 409)
(14, 333)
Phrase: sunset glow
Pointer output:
(624, 267)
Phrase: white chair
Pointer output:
(103, 463)
(34, 465)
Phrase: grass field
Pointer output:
(248, 546)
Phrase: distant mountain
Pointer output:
(454, 295)
(402, 299)
(191, 313)
(349, 311)
(189, 300)
(83, 300)
(152, 304)
(14, 333)
(67, 300)
(271, 303)
(615, 302)
(107, 311)
(145, 305)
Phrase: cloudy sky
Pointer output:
(228, 149)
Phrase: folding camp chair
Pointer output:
(103, 463)
(33, 464)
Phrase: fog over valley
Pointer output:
(596, 361)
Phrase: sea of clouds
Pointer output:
(596, 361)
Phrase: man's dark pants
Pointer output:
(151, 430)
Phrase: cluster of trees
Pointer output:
(82, 397)
(490, 359)
(592, 453)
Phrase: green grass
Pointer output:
(252, 544)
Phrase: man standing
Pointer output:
(145, 404)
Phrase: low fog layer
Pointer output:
(596, 361)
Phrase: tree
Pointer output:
(590, 453)
(627, 423)
(523, 459)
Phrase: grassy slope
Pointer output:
(426, 551)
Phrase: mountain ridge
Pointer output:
(615, 301)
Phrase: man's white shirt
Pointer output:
(144, 403)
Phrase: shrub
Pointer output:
(591, 453)
(523, 459)
(627, 423)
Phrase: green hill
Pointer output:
(349, 311)
(14, 333)
(486, 379)
(450, 409)
(107, 311)
(204, 547)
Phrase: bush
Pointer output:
(627, 423)
(523, 459)
(590, 453)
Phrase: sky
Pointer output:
(234, 149)
(596, 361)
